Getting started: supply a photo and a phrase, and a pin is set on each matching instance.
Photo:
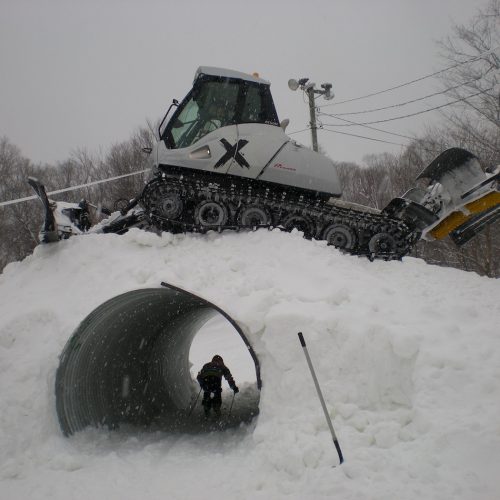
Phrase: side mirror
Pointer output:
(284, 123)
(175, 102)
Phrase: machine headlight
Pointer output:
(202, 153)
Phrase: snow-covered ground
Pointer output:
(407, 354)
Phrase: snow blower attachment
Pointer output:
(223, 161)
(63, 219)
(460, 199)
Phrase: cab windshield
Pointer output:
(217, 102)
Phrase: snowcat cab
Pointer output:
(227, 124)
(223, 161)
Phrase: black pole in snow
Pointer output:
(320, 395)
(194, 404)
(231, 407)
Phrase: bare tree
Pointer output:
(19, 224)
(475, 120)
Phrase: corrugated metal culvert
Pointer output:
(127, 364)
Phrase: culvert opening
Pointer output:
(217, 336)
(127, 366)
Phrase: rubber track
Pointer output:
(282, 203)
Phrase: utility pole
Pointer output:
(310, 89)
(312, 112)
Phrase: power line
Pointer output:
(374, 128)
(322, 127)
(472, 59)
(408, 115)
(298, 131)
(361, 137)
(356, 135)
(475, 136)
(376, 140)
(404, 103)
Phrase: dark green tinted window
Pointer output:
(218, 102)
(210, 107)
(258, 106)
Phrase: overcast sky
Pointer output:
(86, 74)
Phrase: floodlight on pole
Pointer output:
(293, 84)
(310, 89)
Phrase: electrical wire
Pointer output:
(377, 129)
(373, 139)
(408, 115)
(474, 135)
(472, 59)
(298, 131)
(322, 127)
(362, 137)
(404, 103)
(369, 138)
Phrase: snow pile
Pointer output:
(407, 355)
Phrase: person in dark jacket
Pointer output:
(210, 380)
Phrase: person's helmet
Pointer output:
(218, 359)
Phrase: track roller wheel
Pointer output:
(340, 236)
(161, 199)
(120, 205)
(299, 222)
(382, 244)
(211, 214)
(254, 215)
(170, 205)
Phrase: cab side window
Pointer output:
(211, 106)
(183, 125)
(219, 103)
(252, 110)
(258, 106)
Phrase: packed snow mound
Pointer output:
(407, 355)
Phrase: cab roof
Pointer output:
(228, 73)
